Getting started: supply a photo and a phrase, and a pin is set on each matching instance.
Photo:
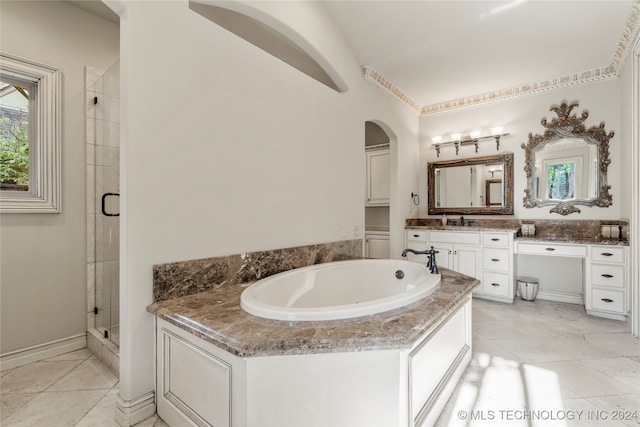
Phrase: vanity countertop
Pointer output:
(462, 228)
(216, 317)
(597, 240)
(579, 232)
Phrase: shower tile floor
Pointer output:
(535, 363)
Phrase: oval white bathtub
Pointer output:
(339, 290)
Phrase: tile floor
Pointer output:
(543, 363)
(71, 390)
(534, 364)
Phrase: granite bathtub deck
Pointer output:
(216, 317)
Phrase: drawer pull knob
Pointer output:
(495, 239)
(495, 259)
(416, 235)
(550, 249)
(608, 276)
(607, 300)
(606, 254)
(495, 284)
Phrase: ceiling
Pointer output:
(437, 52)
(441, 55)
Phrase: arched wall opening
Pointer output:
(380, 151)
(272, 36)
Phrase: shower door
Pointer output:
(107, 206)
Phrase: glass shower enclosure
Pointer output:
(103, 202)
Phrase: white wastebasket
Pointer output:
(528, 288)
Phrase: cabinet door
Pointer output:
(467, 260)
(377, 247)
(444, 257)
(378, 177)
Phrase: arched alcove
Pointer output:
(272, 36)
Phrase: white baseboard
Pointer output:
(561, 297)
(48, 350)
(607, 315)
(131, 412)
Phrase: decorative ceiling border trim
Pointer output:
(522, 90)
(372, 76)
(629, 35)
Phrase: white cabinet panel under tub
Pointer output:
(194, 380)
(199, 384)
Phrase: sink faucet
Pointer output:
(431, 258)
(461, 220)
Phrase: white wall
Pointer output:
(226, 149)
(43, 262)
(626, 123)
(521, 116)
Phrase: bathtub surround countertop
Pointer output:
(182, 278)
(559, 231)
(216, 317)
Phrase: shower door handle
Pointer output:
(104, 200)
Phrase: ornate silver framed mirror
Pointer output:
(567, 165)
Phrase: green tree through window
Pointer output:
(561, 179)
(14, 139)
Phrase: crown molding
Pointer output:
(522, 90)
(372, 76)
(629, 37)
(625, 45)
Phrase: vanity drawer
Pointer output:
(495, 284)
(552, 249)
(495, 259)
(465, 238)
(607, 254)
(495, 239)
(608, 275)
(608, 300)
(419, 235)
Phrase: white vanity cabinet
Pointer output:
(606, 282)
(458, 251)
(497, 266)
(378, 173)
(485, 255)
(605, 272)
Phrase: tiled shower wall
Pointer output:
(103, 165)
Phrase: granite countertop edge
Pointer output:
(462, 228)
(216, 317)
(541, 238)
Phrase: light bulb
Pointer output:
(436, 140)
(496, 130)
(456, 136)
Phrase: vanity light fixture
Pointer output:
(436, 140)
(474, 138)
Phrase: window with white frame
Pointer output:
(29, 136)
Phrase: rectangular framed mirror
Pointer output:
(472, 186)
